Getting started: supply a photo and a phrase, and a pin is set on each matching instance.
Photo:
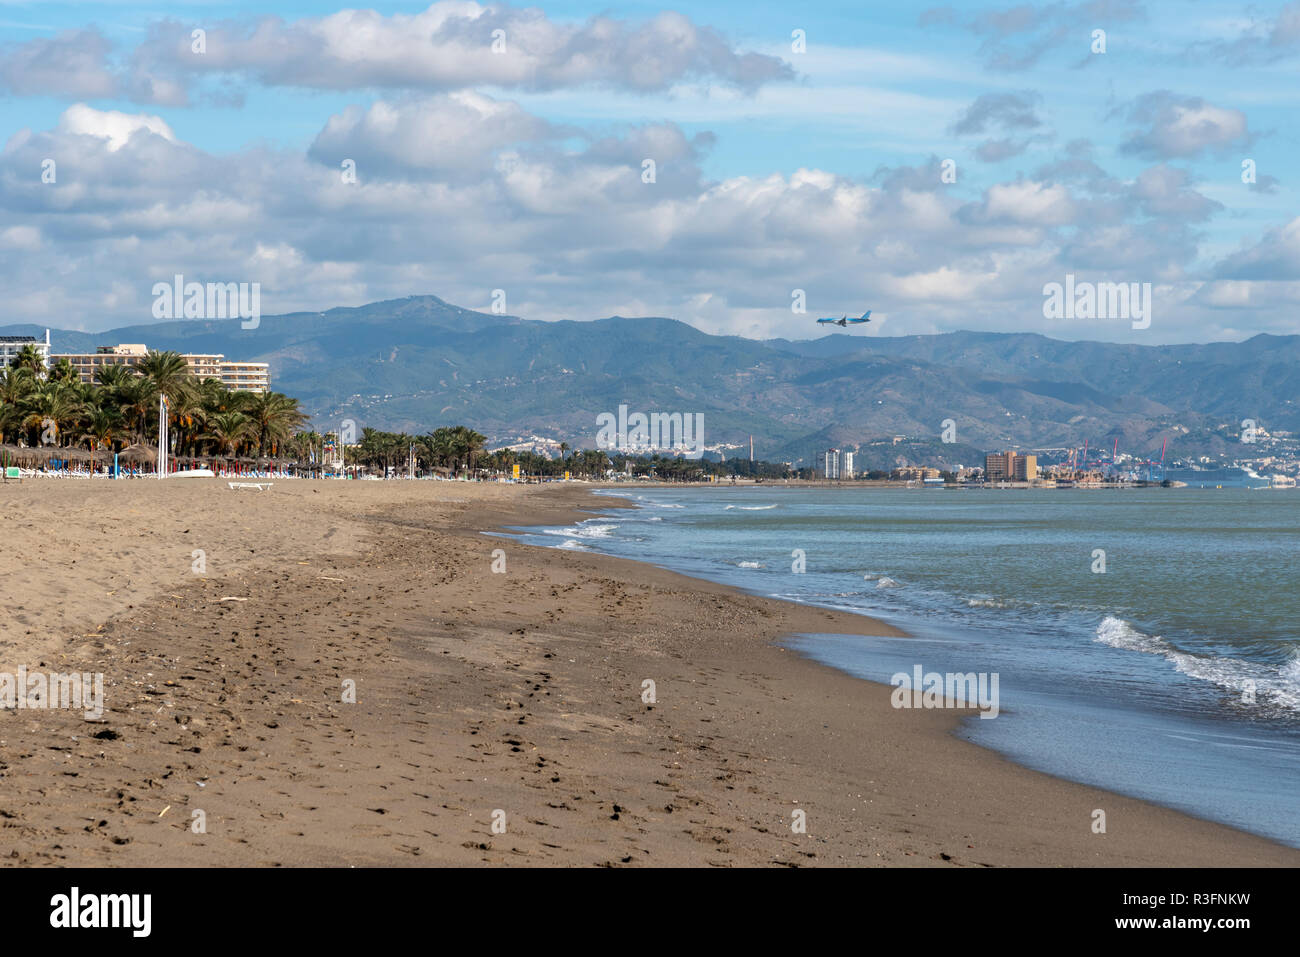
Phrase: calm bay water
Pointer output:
(1172, 675)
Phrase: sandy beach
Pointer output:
(230, 625)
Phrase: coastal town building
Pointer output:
(236, 375)
(837, 464)
(11, 346)
(1010, 467)
(914, 473)
(245, 376)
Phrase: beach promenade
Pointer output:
(333, 673)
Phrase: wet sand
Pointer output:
(512, 697)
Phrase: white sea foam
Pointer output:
(750, 565)
(583, 531)
(886, 582)
(754, 508)
(987, 603)
(1274, 685)
(1118, 633)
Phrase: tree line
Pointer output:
(458, 448)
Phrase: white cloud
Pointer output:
(117, 128)
(454, 45)
(1276, 256)
(453, 132)
(1169, 126)
(1026, 202)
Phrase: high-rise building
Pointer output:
(831, 463)
(999, 466)
(837, 464)
(1010, 467)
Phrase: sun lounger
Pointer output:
(260, 486)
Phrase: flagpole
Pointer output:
(162, 434)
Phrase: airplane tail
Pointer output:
(866, 316)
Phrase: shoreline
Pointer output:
(478, 692)
(877, 626)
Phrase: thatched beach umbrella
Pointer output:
(139, 454)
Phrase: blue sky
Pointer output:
(778, 169)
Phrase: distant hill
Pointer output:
(417, 363)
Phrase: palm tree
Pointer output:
(171, 376)
(138, 396)
(466, 443)
(113, 376)
(99, 426)
(50, 404)
(274, 417)
(168, 370)
(30, 358)
(229, 429)
(10, 419)
(62, 371)
(15, 383)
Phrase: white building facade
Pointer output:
(837, 464)
(10, 346)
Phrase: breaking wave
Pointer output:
(1278, 686)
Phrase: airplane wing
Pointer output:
(828, 319)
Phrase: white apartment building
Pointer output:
(837, 464)
(10, 346)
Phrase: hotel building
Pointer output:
(10, 346)
(238, 376)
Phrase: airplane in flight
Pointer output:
(845, 320)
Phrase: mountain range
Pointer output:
(418, 363)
